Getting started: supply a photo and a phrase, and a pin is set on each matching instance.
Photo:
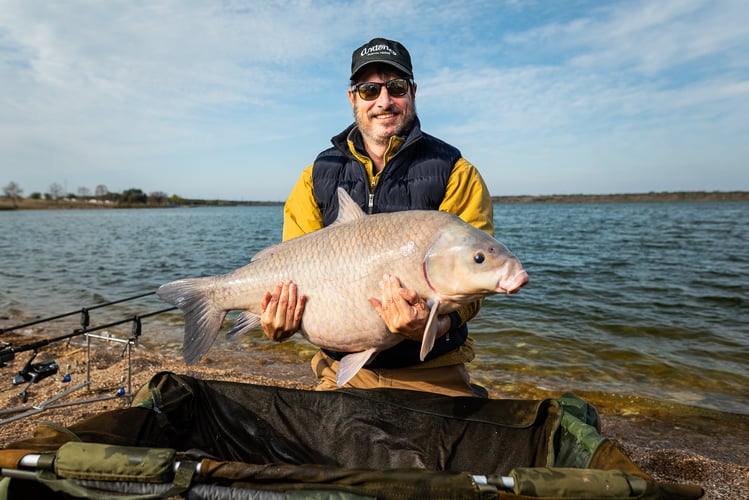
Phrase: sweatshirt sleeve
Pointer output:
(301, 214)
(468, 197)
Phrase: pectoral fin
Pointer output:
(351, 364)
(430, 331)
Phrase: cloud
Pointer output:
(112, 84)
(614, 85)
(204, 98)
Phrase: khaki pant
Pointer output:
(451, 380)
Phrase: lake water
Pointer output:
(646, 300)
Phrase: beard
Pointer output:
(369, 130)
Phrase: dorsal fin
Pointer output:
(348, 210)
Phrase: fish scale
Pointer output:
(362, 253)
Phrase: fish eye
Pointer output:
(479, 258)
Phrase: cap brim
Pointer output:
(395, 65)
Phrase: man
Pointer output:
(386, 163)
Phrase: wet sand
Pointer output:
(678, 445)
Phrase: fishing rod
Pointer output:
(8, 349)
(82, 311)
(33, 373)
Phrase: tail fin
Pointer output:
(202, 317)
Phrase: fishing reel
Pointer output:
(6, 354)
(33, 373)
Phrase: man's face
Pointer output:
(386, 115)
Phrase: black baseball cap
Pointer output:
(381, 50)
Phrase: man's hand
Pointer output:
(282, 311)
(404, 311)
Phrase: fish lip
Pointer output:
(515, 283)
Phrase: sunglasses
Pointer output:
(369, 91)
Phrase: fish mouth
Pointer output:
(514, 284)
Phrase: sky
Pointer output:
(233, 99)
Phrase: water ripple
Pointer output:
(642, 299)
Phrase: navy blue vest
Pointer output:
(414, 179)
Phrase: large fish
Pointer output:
(446, 261)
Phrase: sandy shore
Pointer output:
(687, 450)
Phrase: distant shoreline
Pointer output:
(27, 204)
(652, 197)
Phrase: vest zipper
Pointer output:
(370, 201)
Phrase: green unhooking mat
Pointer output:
(210, 439)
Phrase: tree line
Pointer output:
(13, 192)
(101, 196)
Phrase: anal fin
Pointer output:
(351, 364)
